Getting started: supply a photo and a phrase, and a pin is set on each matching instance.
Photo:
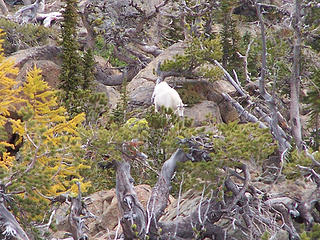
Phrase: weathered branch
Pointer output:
(48, 18)
(287, 221)
(274, 123)
(133, 219)
(239, 194)
(33, 9)
(281, 137)
(295, 79)
(230, 79)
(77, 216)
(8, 223)
(3, 7)
(160, 193)
(115, 80)
(153, 50)
(245, 61)
(248, 116)
(137, 224)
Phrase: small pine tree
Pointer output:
(230, 39)
(119, 114)
(88, 69)
(313, 101)
(71, 73)
(8, 99)
(50, 156)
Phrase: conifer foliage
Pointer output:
(88, 69)
(8, 96)
(71, 72)
(50, 156)
(230, 38)
(49, 159)
(76, 77)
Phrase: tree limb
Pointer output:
(3, 7)
(276, 130)
(295, 79)
(77, 216)
(38, 5)
(133, 219)
(8, 223)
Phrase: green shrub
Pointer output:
(24, 36)
(201, 51)
(238, 143)
(105, 50)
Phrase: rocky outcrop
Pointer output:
(47, 52)
(50, 71)
(112, 93)
(141, 87)
(47, 58)
(113, 18)
(200, 112)
(104, 206)
(210, 92)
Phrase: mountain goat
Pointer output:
(164, 95)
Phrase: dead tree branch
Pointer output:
(274, 123)
(3, 7)
(29, 12)
(137, 224)
(295, 79)
(76, 217)
(133, 218)
(8, 223)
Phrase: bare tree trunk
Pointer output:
(295, 79)
(133, 218)
(86, 24)
(3, 7)
(138, 223)
(274, 124)
(75, 218)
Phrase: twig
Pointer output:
(245, 60)
(230, 79)
(315, 175)
(47, 225)
(281, 165)
(199, 206)
(117, 230)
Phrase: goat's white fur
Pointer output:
(164, 95)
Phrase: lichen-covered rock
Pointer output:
(112, 93)
(47, 52)
(201, 111)
(113, 18)
(50, 71)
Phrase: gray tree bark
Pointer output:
(9, 227)
(274, 123)
(3, 8)
(138, 223)
(295, 79)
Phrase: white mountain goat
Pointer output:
(164, 95)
